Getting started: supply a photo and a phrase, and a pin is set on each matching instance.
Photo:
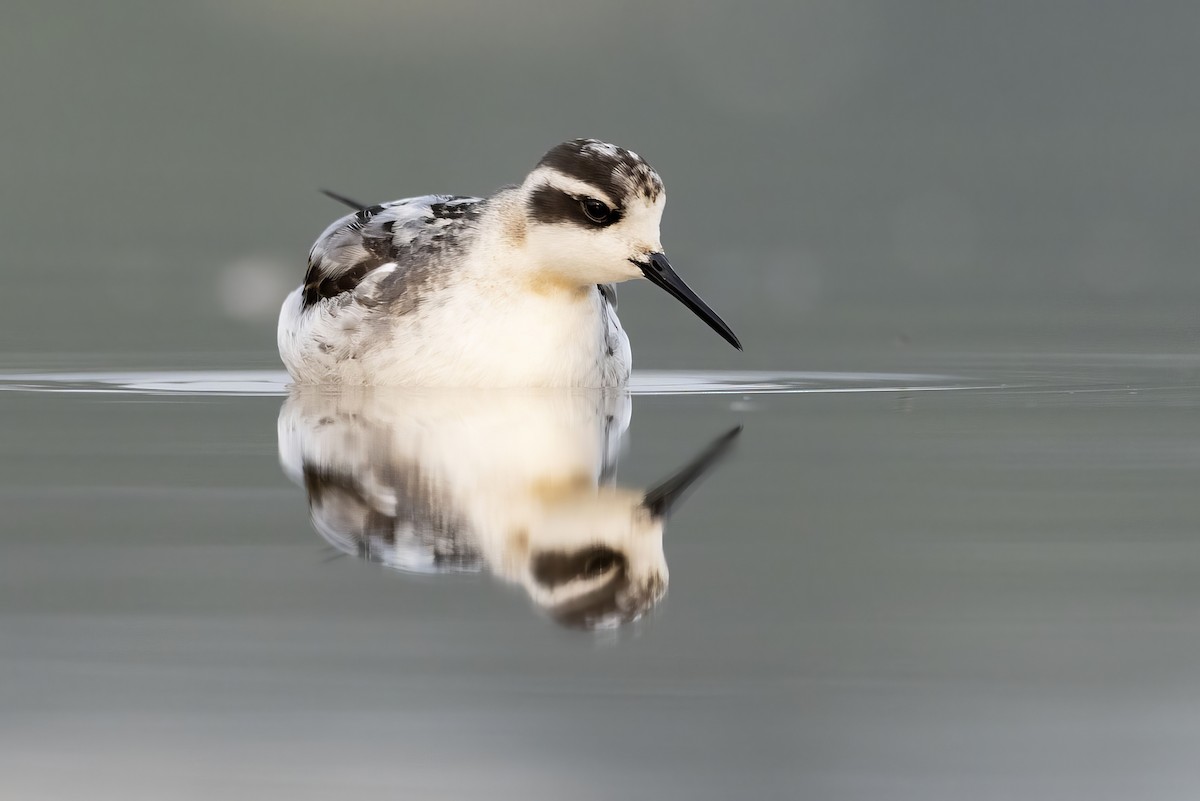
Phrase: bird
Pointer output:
(520, 483)
(511, 290)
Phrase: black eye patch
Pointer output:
(550, 205)
(555, 568)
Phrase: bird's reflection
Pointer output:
(521, 483)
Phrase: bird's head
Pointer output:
(595, 560)
(592, 214)
(594, 557)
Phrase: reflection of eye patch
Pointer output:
(614, 602)
(555, 568)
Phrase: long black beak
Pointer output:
(661, 498)
(658, 270)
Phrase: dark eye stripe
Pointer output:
(556, 568)
(550, 205)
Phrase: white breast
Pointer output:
(467, 334)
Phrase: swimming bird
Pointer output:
(511, 290)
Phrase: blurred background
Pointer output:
(848, 182)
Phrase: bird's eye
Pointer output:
(600, 563)
(595, 210)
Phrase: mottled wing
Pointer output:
(389, 514)
(395, 236)
(612, 327)
(609, 293)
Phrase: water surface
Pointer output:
(975, 577)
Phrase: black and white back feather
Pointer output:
(401, 244)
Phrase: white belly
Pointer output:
(458, 338)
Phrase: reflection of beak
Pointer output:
(661, 498)
(659, 271)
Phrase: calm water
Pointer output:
(973, 579)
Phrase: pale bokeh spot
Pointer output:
(252, 288)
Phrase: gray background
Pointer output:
(846, 180)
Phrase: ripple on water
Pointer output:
(250, 383)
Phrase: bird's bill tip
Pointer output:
(659, 272)
(661, 498)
